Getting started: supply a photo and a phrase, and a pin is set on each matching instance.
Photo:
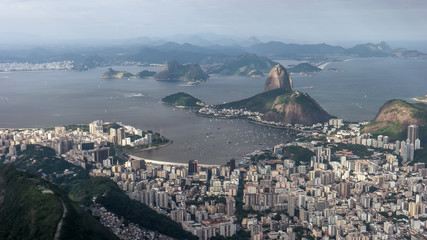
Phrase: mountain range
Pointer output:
(89, 57)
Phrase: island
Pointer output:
(173, 71)
(112, 74)
(248, 64)
(304, 68)
(183, 100)
(145, 74)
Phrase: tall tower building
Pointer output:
(192, 167)
(413, 133)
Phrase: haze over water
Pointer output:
(46, 99)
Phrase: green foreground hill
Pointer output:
(31, 208)
(182, 99)
(76, 185)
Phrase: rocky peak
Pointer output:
(278, 78)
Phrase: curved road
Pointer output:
(58, 228)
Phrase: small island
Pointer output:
(422, 99)
(112, 74)
(183, 100)
(145, 74)
(173, 71)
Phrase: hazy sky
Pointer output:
(297, 20)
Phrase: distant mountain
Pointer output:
(394, 116)
(301, 51)
(279, 49)
(247, 64)
(280, 103)
(249, 42)
(110, 74)
(187, 72)
(371, 50)
(182, 99)
(33, 208)
(304, 68)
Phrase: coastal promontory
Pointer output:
(280, 103)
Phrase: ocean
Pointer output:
(354, 91)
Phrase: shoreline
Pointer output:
(418, 100)
(134, 150)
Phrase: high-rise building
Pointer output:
(120, 135)
(231, 206)
(101, 154)
(413, 133)
(344, 189)
(291, 206)
(192, 167)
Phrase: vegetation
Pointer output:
(110, 73)
(359, 150)
(145, 74)
(259, 103)
(73, 127)
(36, 207)
(283, 106)
(299, 154)
(115, 200)
(247, 64)
(42, 161)
(304, 68)
(182, 99)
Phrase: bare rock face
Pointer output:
(278, 78)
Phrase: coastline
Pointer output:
(418, 100)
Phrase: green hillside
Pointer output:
(31, 208)
(283, 106)
(81, 189)
(182, 99)
(259, 103)
(115, 200)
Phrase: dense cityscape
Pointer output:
(332, 182)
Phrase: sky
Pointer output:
(300, 21)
